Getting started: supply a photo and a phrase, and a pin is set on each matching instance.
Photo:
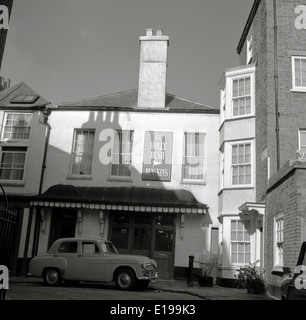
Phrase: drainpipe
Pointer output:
(46, 113)
(276, 86)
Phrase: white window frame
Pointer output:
(235, 74)
(24, 151)
(196, 157)
(302, 148)
(243, 241)
(74, 154)
(8, 126)
(237, 143)
(121, 154)
(294, 86)
(278, 241)
(241, 97)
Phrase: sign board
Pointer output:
(157, 158)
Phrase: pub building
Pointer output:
(139, 168)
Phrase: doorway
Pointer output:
(146, 234)
(63, 224)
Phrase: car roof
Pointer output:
(81, 239)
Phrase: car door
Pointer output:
(90, 264)
(67, 250)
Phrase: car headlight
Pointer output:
(149, 266)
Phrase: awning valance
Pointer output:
(121, 198)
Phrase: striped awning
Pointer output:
(121, 198)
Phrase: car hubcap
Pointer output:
(125, 280)
(53, 276)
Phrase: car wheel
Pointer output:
(125, 279)
(52, 277)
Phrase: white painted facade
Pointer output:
(237, 194)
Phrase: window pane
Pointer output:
(163, 240)
(142, 239)
(82, 152)
(194, 153)
(122, 154)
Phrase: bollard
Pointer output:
(2, 294)
(190, 272)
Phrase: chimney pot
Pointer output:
(149, 32)
(159, 32)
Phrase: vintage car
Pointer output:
(84, 259)
(293, 285)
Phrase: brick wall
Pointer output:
(292, 105)
(286, 194)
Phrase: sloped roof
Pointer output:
(122, 196)
(128, 100)
(20, 89)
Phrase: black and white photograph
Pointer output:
(152, 154)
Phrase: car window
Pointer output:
(108, 247)
(89, 247)
(68, 247)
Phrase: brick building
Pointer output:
(274, 40)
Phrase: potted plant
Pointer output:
(251, 278)
(204, 269)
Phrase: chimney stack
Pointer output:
(153, 69)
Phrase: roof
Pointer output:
(128, 100)
(120, 196)
(20, 89)
(248, 25)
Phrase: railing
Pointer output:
(8, 222)
(201, 268)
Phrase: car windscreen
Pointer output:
(108, 247)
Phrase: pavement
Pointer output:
(209, 293)
(181, 286)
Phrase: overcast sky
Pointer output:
(73, 49)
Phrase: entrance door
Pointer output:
(145, 234)
(63, 224)
(163, 250)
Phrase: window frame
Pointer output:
(250, 95)
(120, 154)
(278, 253)
(240, 241)
(203, 158)
(25, 151)
(294, 86)
(237, 143)
(6, 114)
(300, 146)
(74, 153)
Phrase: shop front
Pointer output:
(140, 221)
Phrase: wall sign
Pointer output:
(157, 158)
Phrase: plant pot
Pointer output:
(255, 286)
(206, 281)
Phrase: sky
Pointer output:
(68, 50)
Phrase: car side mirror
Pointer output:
(281, 271)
